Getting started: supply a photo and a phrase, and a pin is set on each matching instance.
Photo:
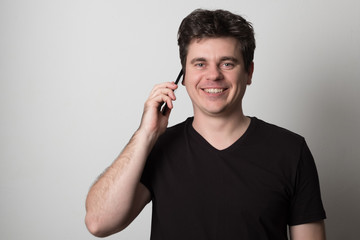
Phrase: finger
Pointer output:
(166, 111)
(164, 91)
(158, 100)
(168, 102)
(167, 85)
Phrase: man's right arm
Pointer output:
(117, 197)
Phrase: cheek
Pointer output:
(191, 87)
(191, 78)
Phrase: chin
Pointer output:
(215, 111)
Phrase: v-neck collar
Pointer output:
(204, 143)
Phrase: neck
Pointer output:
(221, 132)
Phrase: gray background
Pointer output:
(74, 76)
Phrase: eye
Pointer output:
(228, 65)
(200, 65)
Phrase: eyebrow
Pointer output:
(199, 59)
(225, 58)
(234, 60)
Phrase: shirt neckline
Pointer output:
(204, 143)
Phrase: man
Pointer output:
(219, 174)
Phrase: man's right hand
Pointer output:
(153, 121)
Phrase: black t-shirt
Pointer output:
(253, 189)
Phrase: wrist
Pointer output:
(147, 137)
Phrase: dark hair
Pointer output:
(218, 23)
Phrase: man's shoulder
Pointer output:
(275, 133)
(175, 133)
(175, 129)
(180, 125)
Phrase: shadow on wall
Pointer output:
(335, 114)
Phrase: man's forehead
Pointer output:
(227, 48)
(203, 39)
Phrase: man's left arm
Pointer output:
(308, 231)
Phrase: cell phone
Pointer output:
(165, 107)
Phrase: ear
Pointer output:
(183, 79)
(250, 73)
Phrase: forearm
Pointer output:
(110, 199)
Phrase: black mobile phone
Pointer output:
(165, 107)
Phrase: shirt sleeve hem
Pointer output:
(308, 219)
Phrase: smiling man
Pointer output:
(219, 174)
(217, 76)
(216, 79)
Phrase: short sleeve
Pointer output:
(147, 174)
(306, 204)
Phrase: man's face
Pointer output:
(215, 77)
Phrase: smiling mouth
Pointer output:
(214, 90)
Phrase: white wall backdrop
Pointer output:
(74, 76)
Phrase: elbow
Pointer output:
(94, 227)
(97, 227)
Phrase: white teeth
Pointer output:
(213, 90)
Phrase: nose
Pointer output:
(214, 73)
